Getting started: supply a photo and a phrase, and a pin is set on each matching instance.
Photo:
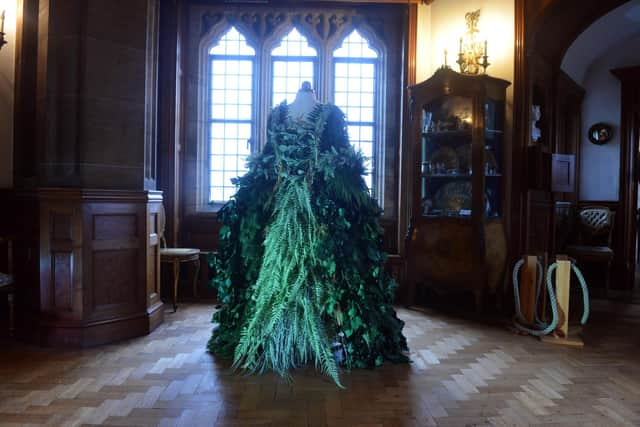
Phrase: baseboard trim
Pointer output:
(81, 335)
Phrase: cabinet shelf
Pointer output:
(457, 176)
(459, 133)
(466, 217)
(448, 133)
(447, 175)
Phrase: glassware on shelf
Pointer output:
(426, 121)
(426, 167)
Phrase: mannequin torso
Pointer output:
(304, 103)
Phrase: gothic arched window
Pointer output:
(230, 116)
(354, 91)
(242, 61)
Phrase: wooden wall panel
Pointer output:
(114, 279)
(62, 273)
(61, 280)
(152, 266)
(115, 270)
(563, 177)
(390, 236)
(61, 226)
(152, 272)
(539, 217)
(106, 227)
(60, 256)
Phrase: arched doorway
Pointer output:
(545, 31)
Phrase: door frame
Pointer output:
(626, 222)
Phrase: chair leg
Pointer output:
(176, 277)
(195, 278)
(10, 301)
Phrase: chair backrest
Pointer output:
(162, 222)
(596, 225)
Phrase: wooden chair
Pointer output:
(594, 234)
(176, 256)
(7, 280)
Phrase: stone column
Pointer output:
(85, 205)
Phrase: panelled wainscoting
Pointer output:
(87, 264)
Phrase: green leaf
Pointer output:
(379, 360)
(356, 323)
(332, 268)
(365, 337)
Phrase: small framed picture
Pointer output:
(600, 133)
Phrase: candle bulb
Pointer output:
(2, 23)
(460, 51)
(445, 58)
(485, 48)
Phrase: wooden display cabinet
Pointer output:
(456, 237)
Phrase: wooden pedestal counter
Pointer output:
(447, 254)
(87, 264)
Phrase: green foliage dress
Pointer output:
(299, 265)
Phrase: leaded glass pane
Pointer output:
(286, 86)
(293, 63)
(231, 112)
(232, 43)
(294, 44)
(355, 46)
(355, 93)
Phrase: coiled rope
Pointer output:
(539, 328)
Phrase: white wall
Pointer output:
(423, 39)
(441, 25)
(7, 79)
(615, 27)
(600, 164)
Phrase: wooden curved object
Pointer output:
(441, 256)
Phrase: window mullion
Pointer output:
(292, 61)
(262, 103)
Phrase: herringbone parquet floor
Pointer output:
(463, 374)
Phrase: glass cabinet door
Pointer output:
(493, 157)
(446, 167)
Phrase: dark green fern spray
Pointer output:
(285, 329)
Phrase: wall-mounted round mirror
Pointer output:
(600, 133)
